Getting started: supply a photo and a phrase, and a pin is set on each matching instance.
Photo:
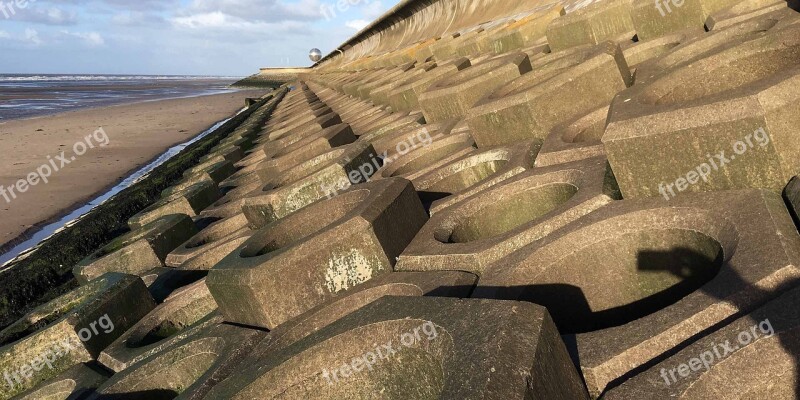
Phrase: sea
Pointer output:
(35, 95)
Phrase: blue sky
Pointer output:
(197, 37)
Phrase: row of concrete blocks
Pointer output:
(300, 244)
(682, 99)
(559, 25)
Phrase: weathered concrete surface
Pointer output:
(320, 177)
(98, 312)
(678, 269)
(168, 322)
(709, 117)
(189, 368)
(755, 355)
(562, 86)
(342, 242)
(474, 172)
(481, 229)
(77, 382)
(138, 251)
(189, 201)
(447, 355)
(451, 96)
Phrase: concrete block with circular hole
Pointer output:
(435, 347)
(638, 52)
(216, 169)
(78, 382)
(471, 234)
(562, 86)
(593, 24)
(281, 158)
(451, 96)
(463, 177)
(189, 368)
(320, 177)
(69, 330)
(426, 155)
(661, 18)
(711, 123)
(300, 261)
(211, 244)
(754, 355)
(167, 323)
(637, 278)
(575, 140)
(526, 31)
(406, 97)
(743, 11)
(139, 250)
(189, 201)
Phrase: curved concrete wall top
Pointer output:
(412, 21)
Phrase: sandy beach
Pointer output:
(92, 160)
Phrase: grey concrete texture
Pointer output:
(70, 330)
(473, 349)
(342, 242)
(138, 251)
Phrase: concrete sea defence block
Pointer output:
(220, 231)
(406, 97)
(472, 173)
(189, 368)
(322, 176)
(562, 86)
(164, 325)
(70, 329)
(138, 251)
(593, 24)
(678, 269)
(524, 32)
(340, 242)
(471, 234)
(189, 201)
(710, 117)
(422, 157)
(451, 96)
(77, 382)
(281, 158)
(755, 355)
(439, 349)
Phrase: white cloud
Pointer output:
(32, 36)
(357, 24)
(258, 10)
(4, 35)
(90, 38)
(47, 16)
(373, 10)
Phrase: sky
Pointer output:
(175, 37)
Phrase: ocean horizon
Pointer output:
(25, 96)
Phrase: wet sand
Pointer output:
(136, 134)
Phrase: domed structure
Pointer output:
(315, 55)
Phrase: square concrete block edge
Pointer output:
(482, 349)
(296, 263)
(689, 264)
(77, 325)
